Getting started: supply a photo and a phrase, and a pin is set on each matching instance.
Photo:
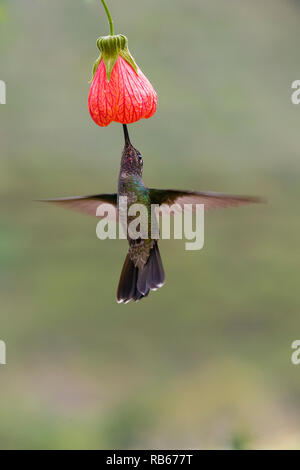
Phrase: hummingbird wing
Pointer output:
(209, 199)
(86, 204)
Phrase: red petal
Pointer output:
(126, 98)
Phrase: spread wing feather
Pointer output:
(210, 200)
(86, 204)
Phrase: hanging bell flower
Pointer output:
(119, 90)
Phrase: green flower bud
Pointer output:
(111, 47)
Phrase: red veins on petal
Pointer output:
(126, 98)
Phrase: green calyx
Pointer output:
(111, 47)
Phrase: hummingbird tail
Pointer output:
(136, 283)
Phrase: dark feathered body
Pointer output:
(132, 187)
(142, 270)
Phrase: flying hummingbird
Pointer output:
(143, 269)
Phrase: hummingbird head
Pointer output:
(132, 161)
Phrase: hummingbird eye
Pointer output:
(140, 159)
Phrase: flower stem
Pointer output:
(110, 21)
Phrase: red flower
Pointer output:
(119, 91)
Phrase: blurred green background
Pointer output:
(205, 361)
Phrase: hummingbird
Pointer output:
(143, 268)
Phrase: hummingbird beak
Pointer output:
(126, 135)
